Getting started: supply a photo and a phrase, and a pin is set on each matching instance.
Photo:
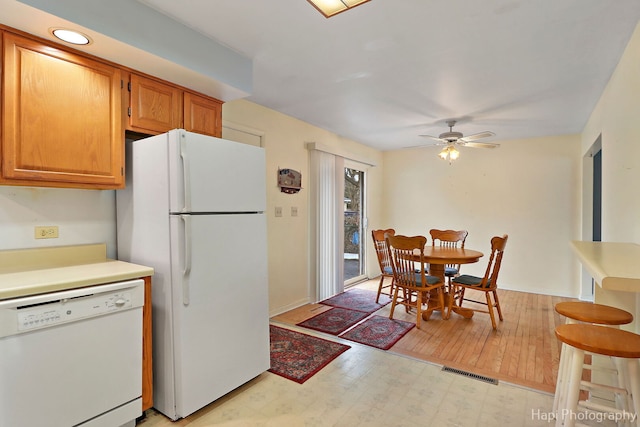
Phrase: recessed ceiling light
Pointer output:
(70, 36)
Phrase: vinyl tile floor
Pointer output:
(365, 386)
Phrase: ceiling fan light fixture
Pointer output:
(449, 153)
(330, 8)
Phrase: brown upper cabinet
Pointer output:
(61, 119)
(65, 112)
(202, 114)
(156, 106)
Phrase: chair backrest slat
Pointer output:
(380, 245)
(490, 279)
(449, 239)
(407, 256)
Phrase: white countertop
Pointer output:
(34, 271)
(614, 266)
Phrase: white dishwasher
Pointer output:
(72, 358)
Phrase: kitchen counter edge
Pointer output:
(39, 281)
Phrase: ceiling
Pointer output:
(390, 70)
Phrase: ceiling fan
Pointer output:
(452, 139)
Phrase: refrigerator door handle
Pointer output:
(186, 175)
(186, 272)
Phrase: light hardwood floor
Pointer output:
(523, 351)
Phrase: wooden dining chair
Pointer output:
(449, 239)
(487, 284)
(380, 244)
(408, 265)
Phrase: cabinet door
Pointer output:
(202, 115)
(62, 119)
(155, 107)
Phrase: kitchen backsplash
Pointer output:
(82, 216)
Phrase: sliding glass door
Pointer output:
(354, 226)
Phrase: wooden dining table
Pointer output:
(437, 257)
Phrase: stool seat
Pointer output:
(600, 340)
(594, 313)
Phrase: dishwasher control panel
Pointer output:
(32, 313)
(70, 309)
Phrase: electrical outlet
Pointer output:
(294, 211)
(278, 211)
(46, 232)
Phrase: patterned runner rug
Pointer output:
(334, 321)
(297, 356)
(378, 331)
(358, 299)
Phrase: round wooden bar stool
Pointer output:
(593, 313)
(622, 345)
(586, 312)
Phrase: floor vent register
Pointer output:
(471, 375)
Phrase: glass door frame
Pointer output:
(362, 228)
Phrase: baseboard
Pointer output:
(288, 307)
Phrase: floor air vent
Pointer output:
(471, 375)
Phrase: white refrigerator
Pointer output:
(194, 210)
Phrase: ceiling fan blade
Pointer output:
(475, 136)
(481, 145)
(427, 145)
(435, 138)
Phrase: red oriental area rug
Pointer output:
(358, 299)
(298, 356)
(378, 331)
(334, 321)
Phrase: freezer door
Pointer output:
(210, 174)
(220, 305)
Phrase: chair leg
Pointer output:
(418, 308)
(407, 298)
(445, 312)
(451, 296)
(495, 297)
(380, 287)
(394, 302)
(461, 296)
(490, 306)
(428, 299)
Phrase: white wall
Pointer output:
(288, 236)
(528, 189)
(83, 216)
(616, 118)
(88, 216)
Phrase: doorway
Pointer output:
(591, 208)
(354, 226)
(597, 196)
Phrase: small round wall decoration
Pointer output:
(289, 181)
